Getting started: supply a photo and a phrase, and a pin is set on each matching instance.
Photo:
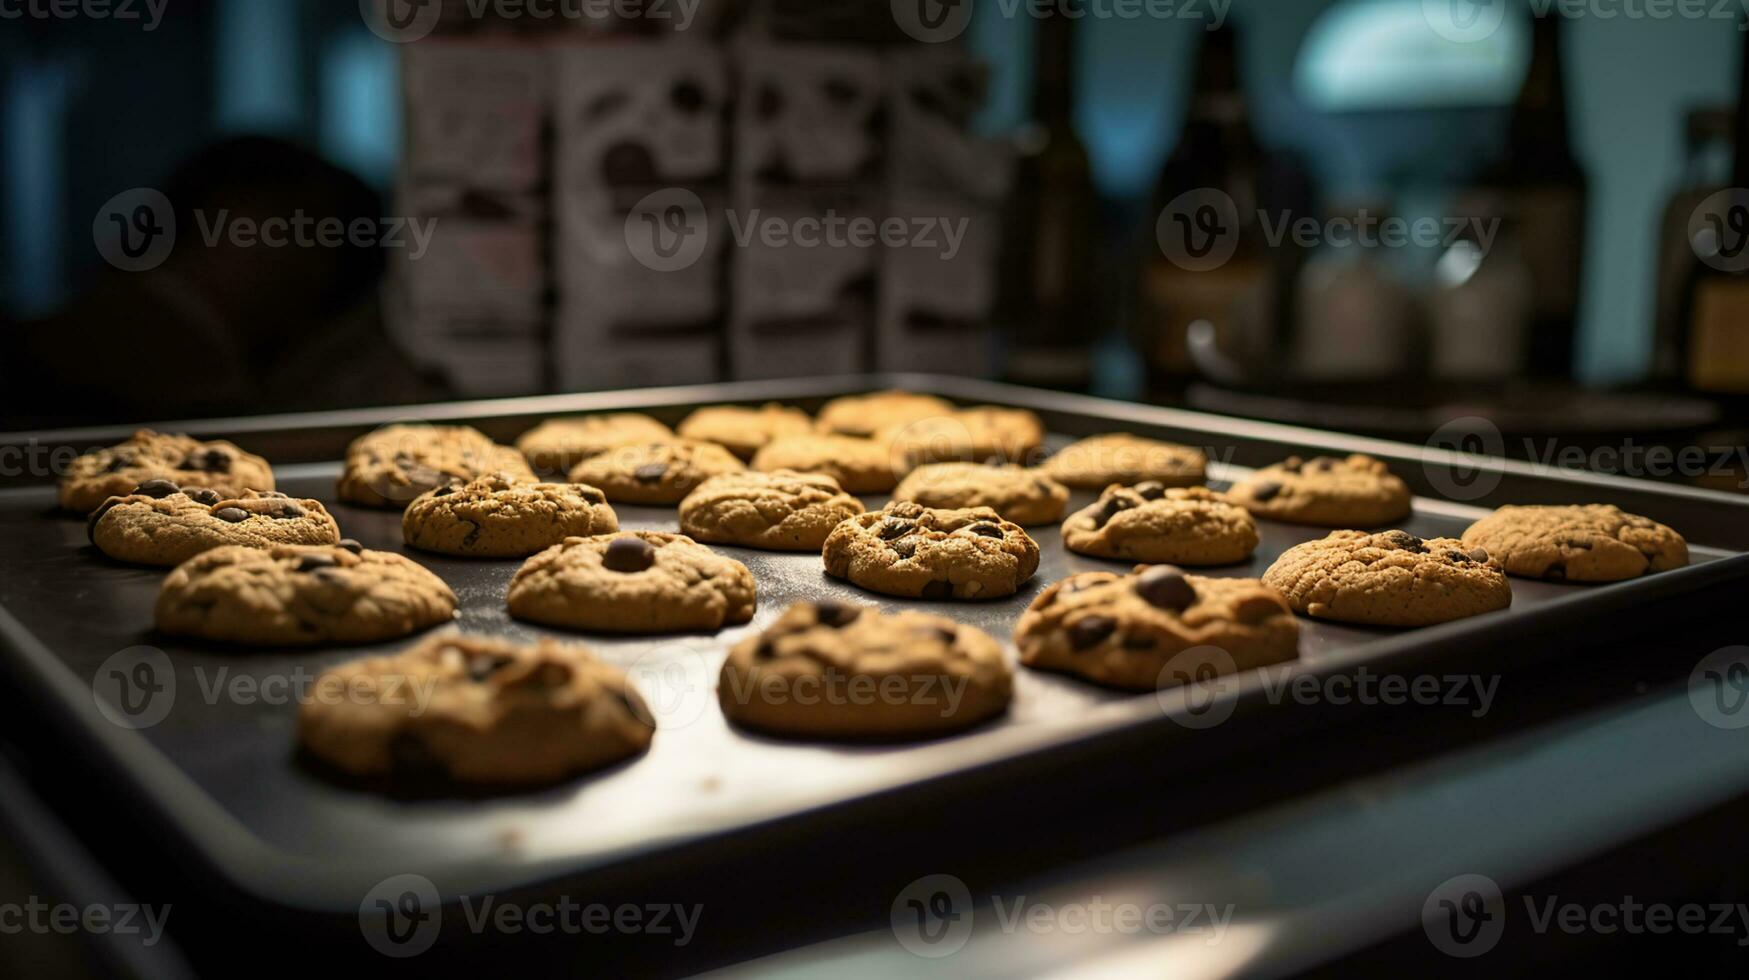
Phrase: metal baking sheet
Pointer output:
(220, 768)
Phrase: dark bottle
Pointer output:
(1713, 347)
(1046, 305)
(1544, 189)
(1706, 169)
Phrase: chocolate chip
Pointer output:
(1459, 557)
(938, 590)
(444, 491)
(893, 527)
(948, 636)
(231, 515)
(1479, 553)
(209, 461)
(904, 547)
(288, 511)
(97, 515)
(1406, 541)
(1558, 570)
(1151, 490)
(628, 555)
(156, 489)
(831, 612)
(119, 463)
(650, 473)
(986, 530)
(1108, 509)
(311, 563)
(1292, 464)
(1263, 493)
(201, 495)
(765, 650)
(1165, 587)
(592, 495)
(1322, 464)
(1090, 631)
(274, 494)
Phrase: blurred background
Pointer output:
(1374, 215)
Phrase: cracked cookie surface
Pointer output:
(839, 671)
(655, 472)
(864, 415)
(1024, 496)
(1098, 462)
(297, 595)
(633, 582)
(158, 523)
(1151, 522)
(1585, 543)
(146, 455)
(745, 430)
(1355, 491)
(556, 445)
(859, 465)
(499, 517)
(1154, 627)
(391, 466)
(918, 552)
(976, 435)
(475, 710)
(1389, 579)
(781, 511)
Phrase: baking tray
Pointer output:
(218, 777)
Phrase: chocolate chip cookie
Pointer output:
(743, 430)
(1100, 461)
(859, 465)
(655, 472)
(831, 670)
(1356, 491)
(1389, 579)
(865, 415)
(914, 551)
(1151, 522)
(292, 595)
(556, 445)
(1024, 496)
(1126, 630)
(159, 523)
(1588, 543)
(981, 434)
(474, 711)
(499, 517)
(633, 582)
(146, 455)
(391, 466)
(781, 511)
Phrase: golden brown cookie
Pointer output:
(782, 511)
(1356, 491)
(159, 523)
(1026, 497)
(655, 472)
(556, 445)
(1389, 579)
(1589, 543)
(1135, 631)
(1150, 522)
(831, 670)
(146, 455)
(859, 465)
(981, 434)
(499, 517)
(911, 550)
(389, 467)
(633, 582)
(1100, 461)
(864, 415)
(743, 430)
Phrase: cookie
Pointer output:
(781, 511)
(1023, 496)
(981, 434)
(474, 711)
(1588, 543)
(1100, 461)
(556, 445)
(1153, 627)
(1150, 522)
(391, 466)
(1389, 579)
(146, 455)
(291, 595)
(865, 415)
(744, 431)
(655, 472)
(633, 582)
(158, 523)
(497, 517)
(859, 465)
(830, 670)
(1357, 491)
(910, 550)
